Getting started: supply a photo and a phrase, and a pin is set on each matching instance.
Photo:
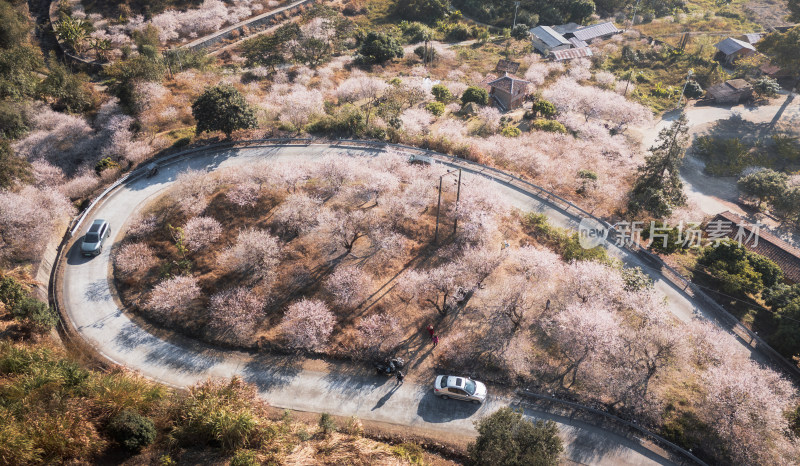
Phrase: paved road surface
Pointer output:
(96, 314)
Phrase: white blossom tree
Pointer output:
(234, 316)
(255, 253)
(171, 299)
(349, 286)
(133, 259)
(199, 232)
(307, 324)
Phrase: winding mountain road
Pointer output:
(90, 305)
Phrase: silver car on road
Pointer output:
(92, 244)
(459, 388)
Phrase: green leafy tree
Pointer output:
(794, 10)
(271, 50)
(13, 123)
(542, 108)
(766, 87)
(788, 205)
(148, 66)
(783, 49)
(658, 188)
(380, 48)
(66, 92)
(579, 10)
(12, 167)
(437, 108)
(505, 438)
(73, 32)
(426, 11)
(475, 94)
(223, 108)
(521, 32)
(765, 185)
(19, 59)
(442, 93)
(738, 271)
(785, 303)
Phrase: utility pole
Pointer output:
(633, 17)
(516, 7)
(439, 202)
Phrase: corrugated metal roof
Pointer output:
(550, 37)
(577, 43)
(507, 83)
(596, 30)
(753, 38)
(730, 46)
(569, 54)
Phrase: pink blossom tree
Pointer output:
(744, 405)
(349, 227)
(379, 334)
(133, 260)
(171, 299)
(199, 232)
(298, 214)
(234, 316)
(244, 194)
(256, 253)
(307, 324)
(349, 286)
(27, 220)
(588, 337)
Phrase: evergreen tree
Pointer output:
(658, 188)
(505, 438)
(223, 108)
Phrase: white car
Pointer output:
(459, 388)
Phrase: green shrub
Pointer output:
(379, 48)
(475, 94)
(132, 430)
(244, 458)
(551, 126)
(520, 32)
(506, 438)
(219, 413)
(326, 424)
(348, 120)
(105, 164)
(765, 185)
(563, 242)
(437, 108)
(410, 452)
(635, 279)
(38, 314)
(658, 232)
(13, 123)
(459, 32)
(723, 156)
(425, 53)
(766, 87)
(11, 291)
(510, 131)
(415, 31)
(442, 93)
(12, 167)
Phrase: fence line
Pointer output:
(653, 437)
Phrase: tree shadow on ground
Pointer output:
(267, 372)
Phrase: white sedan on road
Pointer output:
(459, 388)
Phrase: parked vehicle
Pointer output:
(389, 367)
(152, 169)
(459, 388)
(92, 243)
